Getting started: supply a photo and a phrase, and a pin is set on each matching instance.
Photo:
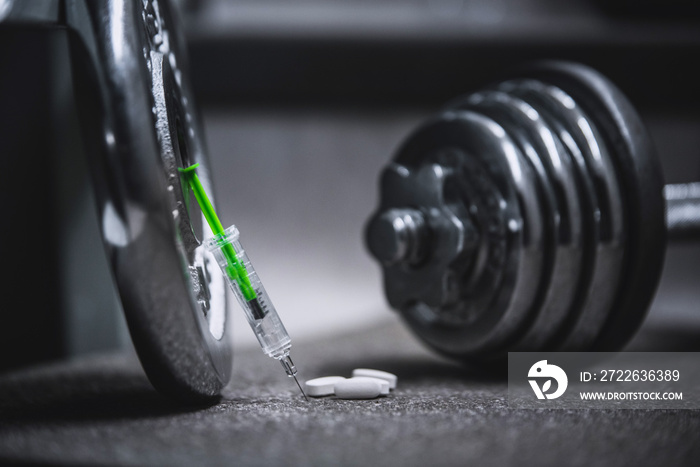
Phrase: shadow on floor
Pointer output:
(101, 390)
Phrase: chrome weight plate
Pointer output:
(641, 184)
(140, 126)
(591, 310)
(564, 241)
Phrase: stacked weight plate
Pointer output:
(559, 198)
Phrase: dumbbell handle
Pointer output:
(683, 211)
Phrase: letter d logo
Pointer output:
(542, 370)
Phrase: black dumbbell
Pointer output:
(531, 215)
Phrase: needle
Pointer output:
(302, 391)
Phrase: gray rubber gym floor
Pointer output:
(102, 410)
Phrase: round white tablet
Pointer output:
(358, 388)
(390, 377)
(321, 386)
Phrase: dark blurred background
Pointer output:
(303, 103)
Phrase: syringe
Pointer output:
(244, 281)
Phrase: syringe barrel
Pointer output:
(250, 293)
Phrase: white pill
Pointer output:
(321, 386)
(358, 388)
(377, 374)
(382, 382)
